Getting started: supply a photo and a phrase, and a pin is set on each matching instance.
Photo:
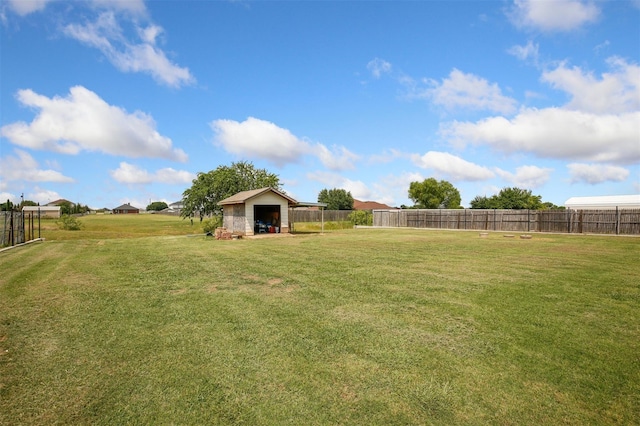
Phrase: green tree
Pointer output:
(517, 198)
(5, 207)
(548, 205)
(66, 208)
(156, 206)
(361, 217)
(509, 198)
(434, 194)
(209, 188)
(483, 202)
(336, 199)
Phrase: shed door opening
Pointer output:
(267, 219)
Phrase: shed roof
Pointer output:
(603, 202)
(41, 208)
(244, 196)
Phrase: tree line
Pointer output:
(208, 189)
(66, 207)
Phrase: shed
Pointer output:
(126, 209)
(608, 202)
(256, 211)
(43, 211)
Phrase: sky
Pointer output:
(106, 102)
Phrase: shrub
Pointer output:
(69, 223)
(210, 225)
(361, 217)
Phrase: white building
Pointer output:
(44, 211)
(607, 202)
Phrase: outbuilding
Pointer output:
(43, 211)
(263, 210)
(608, 202)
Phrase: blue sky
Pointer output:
(106, 102)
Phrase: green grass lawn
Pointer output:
(355, 327)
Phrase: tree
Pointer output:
(361, 217)
(156, 206)
(433, 194)
(509, 198)
(6, 207)
(482, 202)
(209, 188)
(336, 199)
(66, 208)
(548, 205)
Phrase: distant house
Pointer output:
(608, 202)
(126, 209)
(257, 211)
(60, 202)
(43, 211)
(369, 205)
(175, 207)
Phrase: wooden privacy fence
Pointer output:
(618, 221)
(18, 227)
(299, 215)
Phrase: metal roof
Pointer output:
(244, 196)
(603, 202)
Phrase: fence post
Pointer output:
(617, 221)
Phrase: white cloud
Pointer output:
(386, 157)
(529, 177)
(131, 174)
(452, 166)
(42, 196)
(259, 138)
(339, 158)
(135, 7)
(378, 67)
(615, 92)
(357, 188)
(84, 121)
(263, 139)
(24, 167)
(4, 196)
(393, 190)
(106, 35)
(25, 7)
(529, 52)
(557, 15)
(596, 173)
(555, 133)
(462, 90)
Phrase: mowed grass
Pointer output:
(118, 226)
(354, 327)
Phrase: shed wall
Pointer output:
(268, 198)
(233, 218)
